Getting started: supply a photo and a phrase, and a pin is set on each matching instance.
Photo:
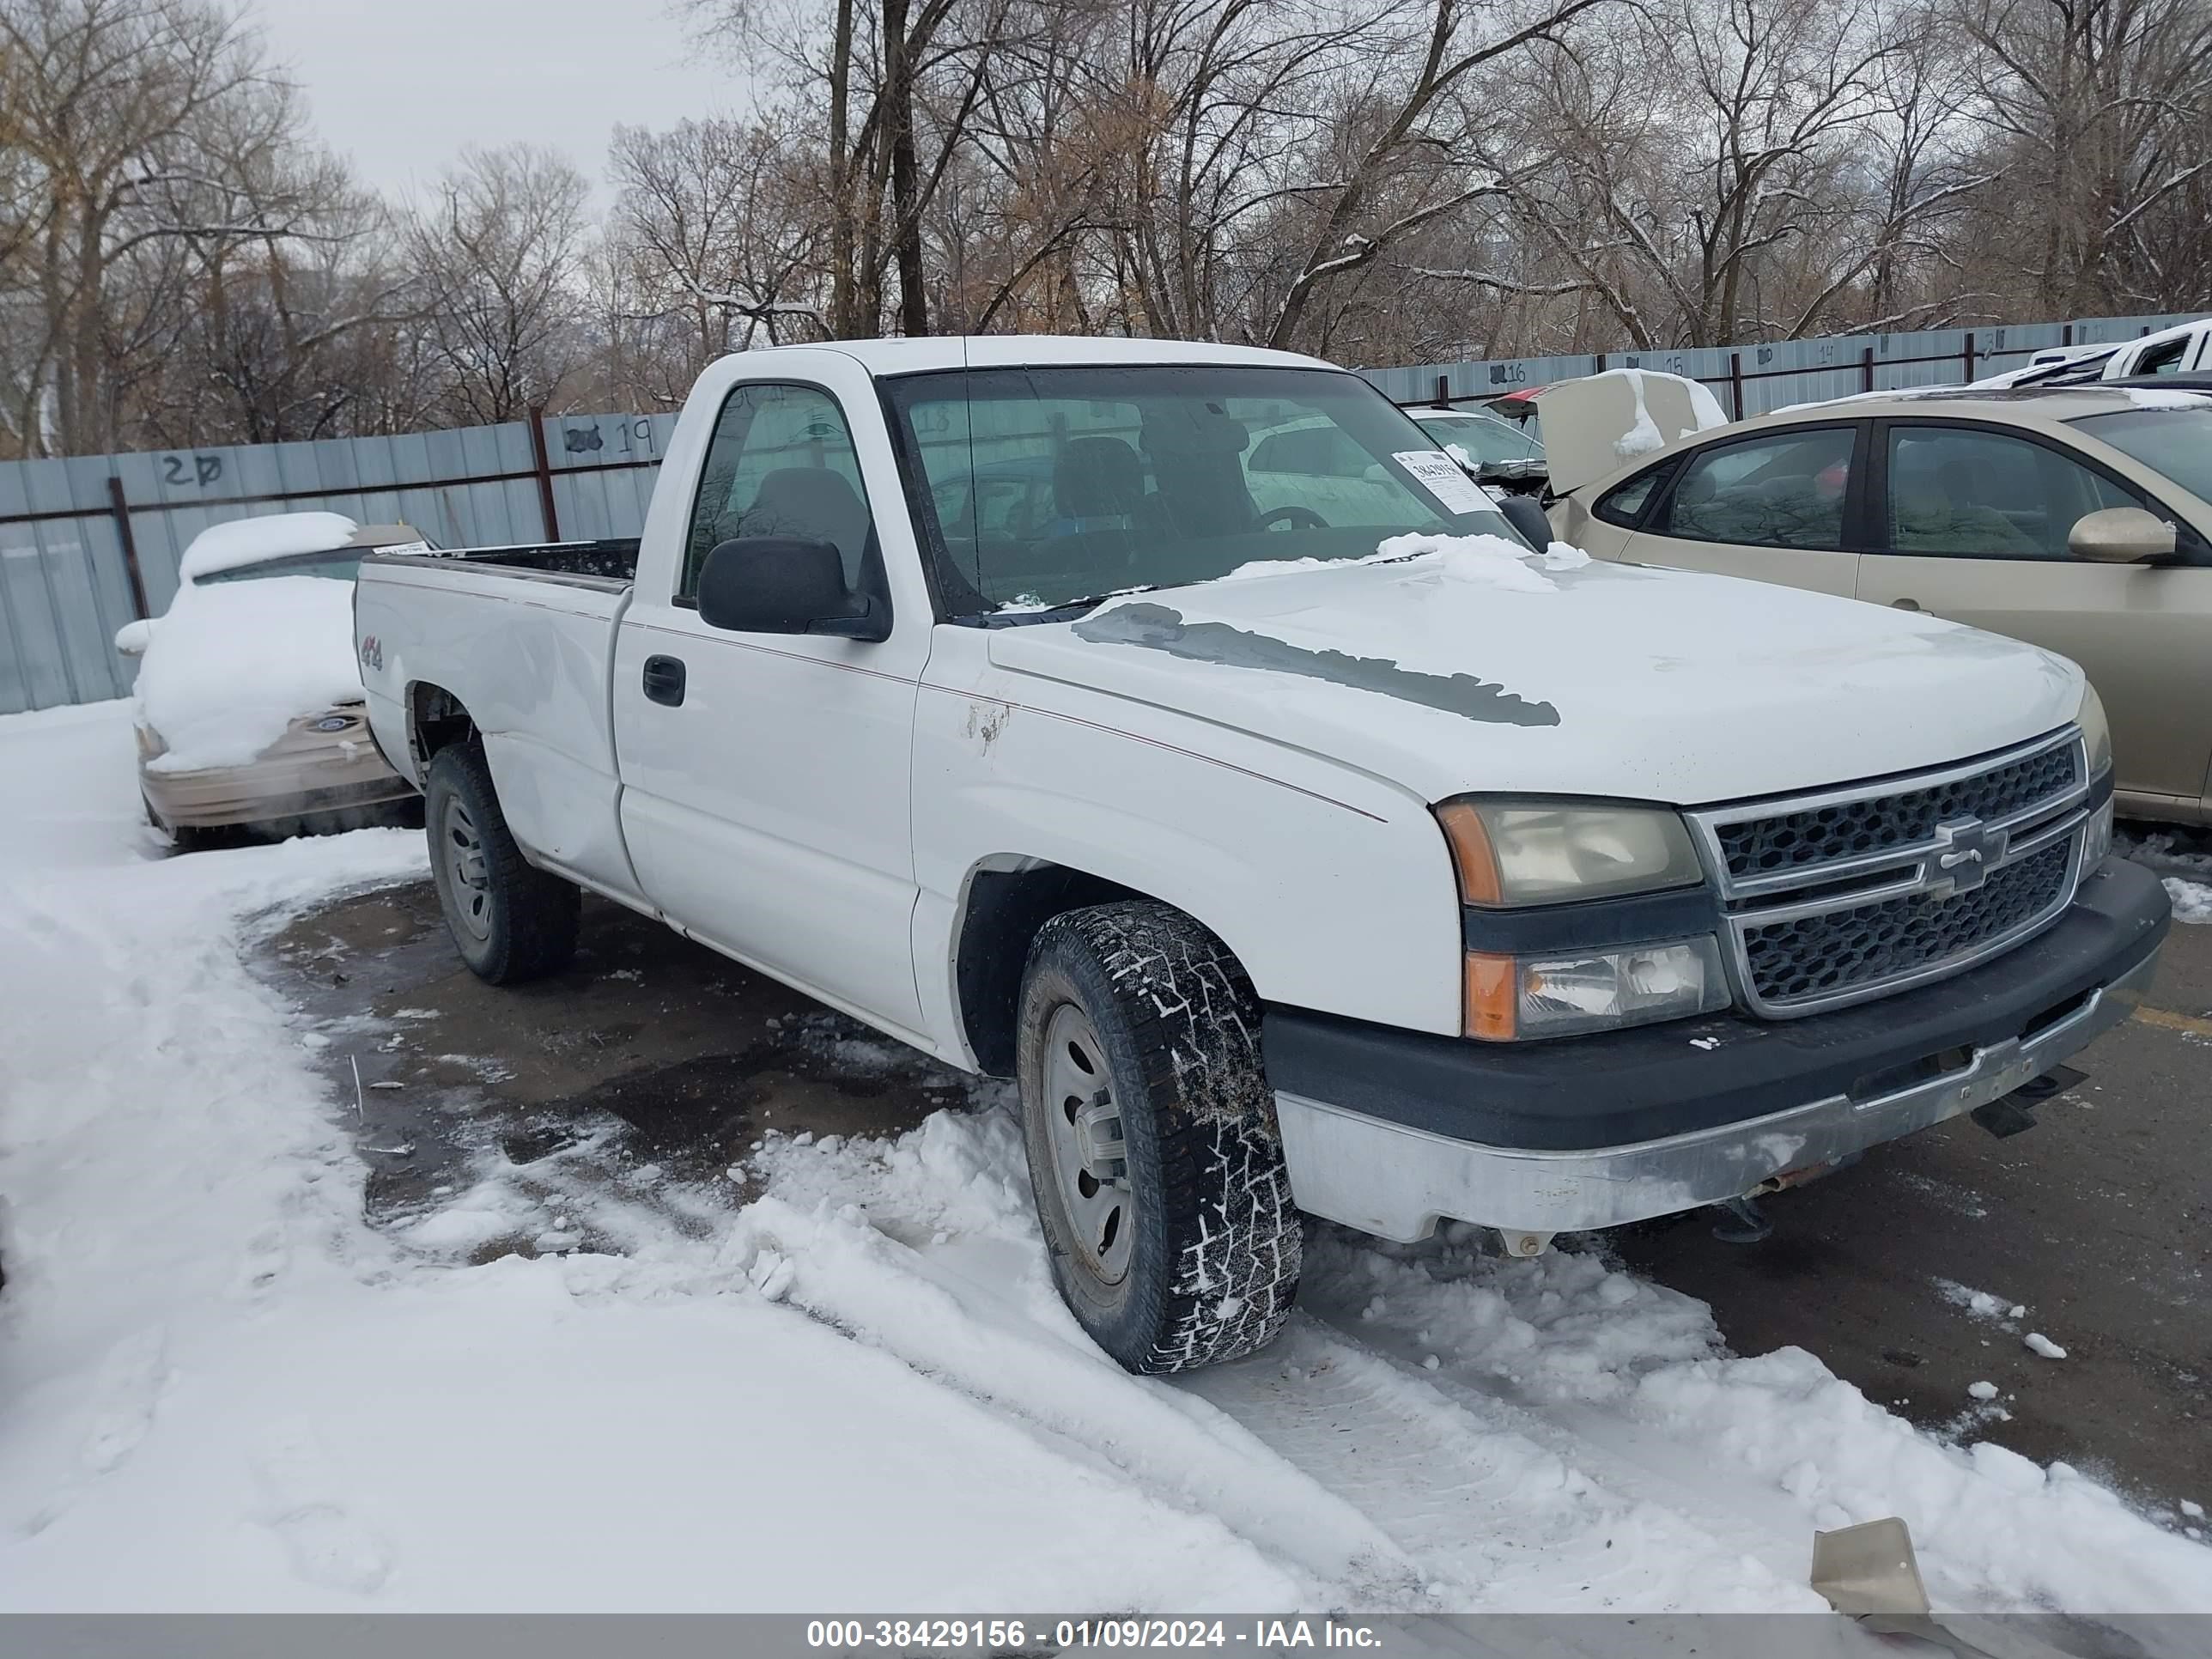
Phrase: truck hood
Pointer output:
(1449, 672)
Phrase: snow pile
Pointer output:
(1777, 1441)
(2187, 872)
(2192, 900)
(251, 540)
(1466, 558)
(231, 665)
(1491, 561)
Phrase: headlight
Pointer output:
(2095, 730)
(1513, 853)
(1510, 998)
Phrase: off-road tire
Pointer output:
(1213, 1261)
(525, 928)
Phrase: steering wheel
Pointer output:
(1293, 517)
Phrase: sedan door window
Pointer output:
(1967, 491)
(1785, 490)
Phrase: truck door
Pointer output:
(766, 775)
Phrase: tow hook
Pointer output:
(2015, 1113)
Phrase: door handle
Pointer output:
(664, 680)
(1904, 605)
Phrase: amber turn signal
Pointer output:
(1494, 997)
(1471, 855)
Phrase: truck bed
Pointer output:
(595, 564)
(523, 638)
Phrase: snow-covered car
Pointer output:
(2079, 519)
(1387, 868)
(249, 709)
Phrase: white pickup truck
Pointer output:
(1297, 836)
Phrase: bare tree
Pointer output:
(709, 234)
(141, 138)
(2098, 109)
(499, 251)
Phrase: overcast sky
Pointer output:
(400, 86)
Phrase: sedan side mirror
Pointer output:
(2121, 535)
(785, 585)
(132, 638)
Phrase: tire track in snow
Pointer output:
(989, 1342)
(1502, 1520)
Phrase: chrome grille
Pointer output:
(1788, 962)
(1790, 841)
(1838, 897)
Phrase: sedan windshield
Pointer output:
(2175, 441)
(1050, 486)
(1484, 440)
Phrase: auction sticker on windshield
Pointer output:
(1442, 478)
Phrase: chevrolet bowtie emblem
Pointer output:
(1966, 850)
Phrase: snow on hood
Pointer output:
(251, 540)
(1585, 678)
(231, 665)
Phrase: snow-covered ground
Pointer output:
(841, 1382)
(2185, 869)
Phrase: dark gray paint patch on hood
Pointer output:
(1160, 628)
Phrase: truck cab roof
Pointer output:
(917, 356)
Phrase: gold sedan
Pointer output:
(2076, 519)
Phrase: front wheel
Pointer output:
(1153, 1150)
(510, 922)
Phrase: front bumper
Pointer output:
(1391, 1131)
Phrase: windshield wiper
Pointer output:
(1065, 610)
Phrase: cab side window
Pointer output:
(1785, 490)
(1978, 494)
(780, 462)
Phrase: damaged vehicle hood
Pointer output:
(1445, 677)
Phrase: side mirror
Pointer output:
(132, 638)
(2121, 535)
(785, 585)
(1525, 515)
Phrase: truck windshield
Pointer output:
(1048, 486)
(2175, 441)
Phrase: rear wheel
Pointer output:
(1153, 1150)
(510, 922)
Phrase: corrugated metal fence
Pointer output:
(89, 542)
(1757, 380)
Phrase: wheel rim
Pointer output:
(1090, 1161)
(467, 878)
